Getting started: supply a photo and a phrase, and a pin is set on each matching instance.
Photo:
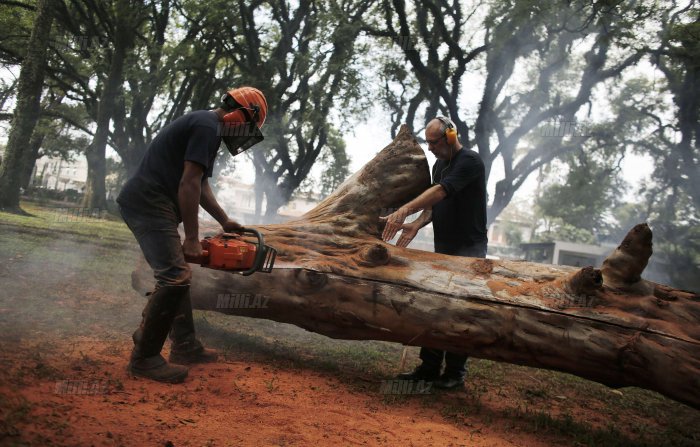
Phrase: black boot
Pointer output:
(455, 372)
(430, 368)
(158, 315)
(421, 373)
(185, 348)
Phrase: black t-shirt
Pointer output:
(459, 220)
(153, 188)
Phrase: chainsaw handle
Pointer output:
(259, 253)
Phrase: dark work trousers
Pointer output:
(159, 240)
(455, 364)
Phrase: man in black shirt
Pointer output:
(168, 188)
(456, 204)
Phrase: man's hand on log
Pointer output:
(408, 232)
(394, 222)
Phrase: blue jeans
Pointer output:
(159, 240)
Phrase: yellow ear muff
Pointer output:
(451, 135)
(450, 131)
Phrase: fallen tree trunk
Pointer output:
(335, 276)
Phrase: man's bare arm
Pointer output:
(211, 205)
(425, 218)
(410, 230)
(188, 196)
(426, 200)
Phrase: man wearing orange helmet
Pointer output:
(456, 204)
(168, 188)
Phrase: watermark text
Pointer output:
(78, 214)
(241, 301)
(397, 387)
(81, 387)
(561, 128)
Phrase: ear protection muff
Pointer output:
(450, 131)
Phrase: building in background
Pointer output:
(514, 226)
(238, 199)
(565, 253)
(582, 255)
(60, 175)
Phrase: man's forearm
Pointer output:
(426, 200)
(210, 204)
(188, 196)
(425, 217)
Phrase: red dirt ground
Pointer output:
(223, 404)
(229, 403)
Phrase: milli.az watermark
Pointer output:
(564, 299)
(241, 301)
(562, 128)
(78, 214)
(400, 387)
(81, 387)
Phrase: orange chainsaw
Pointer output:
(227, 251)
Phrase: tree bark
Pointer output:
(125, 25)
(95, 190)
(335, 276)
(31, 81)
(31, 156)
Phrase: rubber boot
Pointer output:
(158, 316)
(429, 370)
(185, 348)
(455, 372)
(420, 373)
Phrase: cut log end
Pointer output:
(622, 270)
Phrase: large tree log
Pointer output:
(335, 276)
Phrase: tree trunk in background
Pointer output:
(32, 155)
(26, 115)
(334, 276)
(95, 190)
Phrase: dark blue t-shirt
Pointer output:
(459, 220)
(154, 187)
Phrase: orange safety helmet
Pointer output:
(246, 110)
(245, 104)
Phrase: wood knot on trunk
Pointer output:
(587, 281)
(374, 255)
(482, 266)
(309, 280)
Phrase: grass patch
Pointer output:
(63, 280)
(68, 219)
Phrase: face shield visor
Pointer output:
(239, 129)
(239, 137)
